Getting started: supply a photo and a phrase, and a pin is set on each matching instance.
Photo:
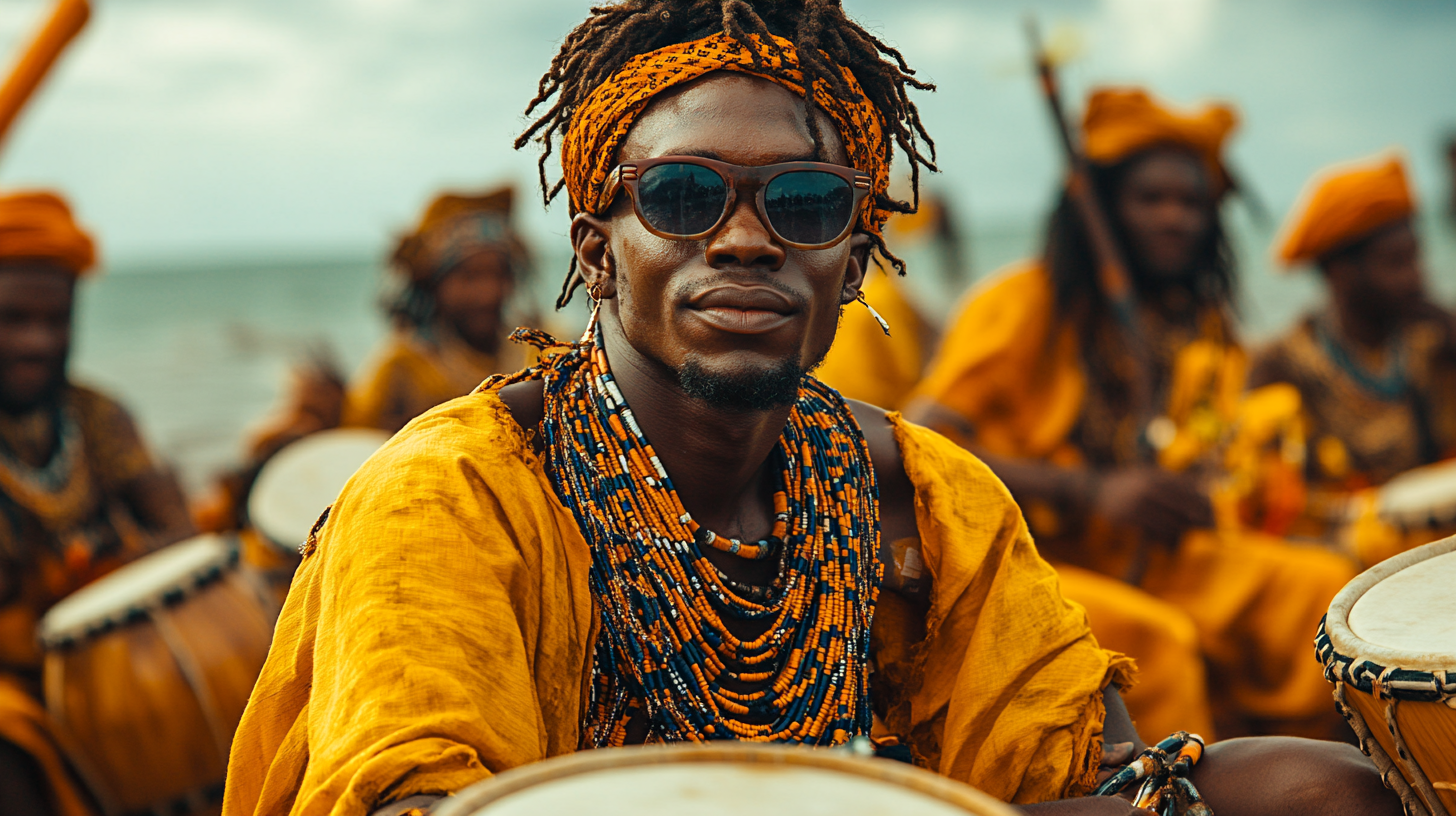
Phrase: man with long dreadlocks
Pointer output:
(521, 573)
(1035, 376)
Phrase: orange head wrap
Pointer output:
(456, 225)
(589, 151)
(1343, 204)
(1122, 121)
(38, 226)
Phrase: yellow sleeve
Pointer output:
(1008, 368)
(437, 632)
(1001, 688)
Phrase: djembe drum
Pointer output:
(147, 672)
(1415, 508)
(291, 490)
(719, 779)
(1389, 646)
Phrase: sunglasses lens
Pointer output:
(809, 206)
(681, 199)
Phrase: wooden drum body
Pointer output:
(719, 779)
(1389, 646)
(147, 672)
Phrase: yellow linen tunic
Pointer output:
(441, 630)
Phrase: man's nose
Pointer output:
(745, 241)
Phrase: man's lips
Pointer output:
(743, 309)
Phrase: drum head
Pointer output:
(1420, 497)
(1401, 613)
(719, 780)
(149, 581)
(296, 485)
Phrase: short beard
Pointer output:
(743, 391)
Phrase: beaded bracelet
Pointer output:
(1163, 770)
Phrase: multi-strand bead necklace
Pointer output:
(666, 652)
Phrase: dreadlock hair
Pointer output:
(1072, 263)
(819, 29)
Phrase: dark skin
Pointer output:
(36, 302)
(651, 288)
(470, 299)
(1166, 209)
(1380, 286)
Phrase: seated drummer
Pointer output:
(519, 574)
(79, 493)
(1376, 365)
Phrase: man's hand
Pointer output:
(1163, 505)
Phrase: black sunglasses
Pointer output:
(804, 204)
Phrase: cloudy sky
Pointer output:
(184, 128)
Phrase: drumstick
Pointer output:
(66, 21)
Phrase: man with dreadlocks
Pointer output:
(521, 573)
(1034, 375)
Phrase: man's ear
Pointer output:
(591, 241)
(854, 273)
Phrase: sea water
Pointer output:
(200, 351)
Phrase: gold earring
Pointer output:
(589, 336)
(884, 326)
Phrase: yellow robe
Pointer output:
(408, 375)
(441, 630)
(1014, 373)
(864, 364)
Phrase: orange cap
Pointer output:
(1341, 204)
(37, 225)
(1122, 121)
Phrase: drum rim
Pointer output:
(515, 780)
(53, 637)
(1415, 518)
(1349, 658)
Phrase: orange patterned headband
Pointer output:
(589, 151)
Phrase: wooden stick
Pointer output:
(66, 21)
(1113, 278)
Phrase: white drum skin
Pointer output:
(724, 779)
(305, 477)
(1413, 610)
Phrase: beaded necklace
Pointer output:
(665, 652)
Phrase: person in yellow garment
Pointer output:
(457, 272)
(1376, 366)
(1034, 377)
(79, 493)
(668, 532)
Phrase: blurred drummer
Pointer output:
(520, 573)
(1035, 375)
(1376, 365)
(457, 272)
(79, 493)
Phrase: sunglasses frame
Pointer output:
(627, 175)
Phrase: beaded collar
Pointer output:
(665, 653)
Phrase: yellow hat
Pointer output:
(37, 225)
(1122, 121)
(1341, 204)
